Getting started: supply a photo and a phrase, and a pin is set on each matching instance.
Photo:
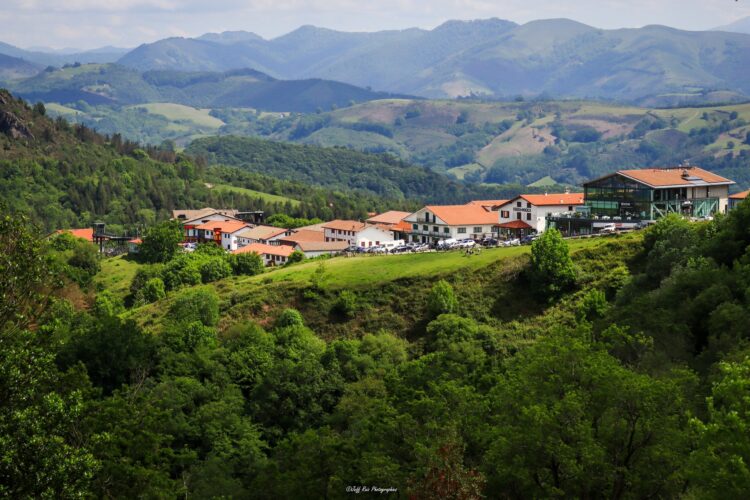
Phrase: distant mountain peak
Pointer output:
(738, 26)
(228, 37)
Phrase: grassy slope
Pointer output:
(273, 198)
(116, 275)
(178, 112)
(394, 287)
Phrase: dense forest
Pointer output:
(523, 375)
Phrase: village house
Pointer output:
(527, 213)
(272, 255)
(737, 198)
(195, 235)
(439, 222)
(186, 215)
(223, 233)
(260, 234)
(86, 233)
(356, 233)
(390, 218)
(489, 205)
(295, 236)
(313, 249)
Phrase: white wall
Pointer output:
(372, 236)
(534, 216)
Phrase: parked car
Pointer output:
(608, 229)
(446, 244)
(489, 242)
(528, 239)
(423, 247)
(512, 242)
(467, 243)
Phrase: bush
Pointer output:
(295, 257)
(152, 291)
(214, 269)
(248, 264)
(442, 300)
(289, 317)
(346, 305)
(200, 305)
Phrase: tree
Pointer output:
(152, 291)
(720, 467)
(201, 305)
(161, 241)
(289, 317)
(571, 421)
(214, 269)
(441, 299)
(346, 304)
(295, 257)
(552, 270)
(248, 263)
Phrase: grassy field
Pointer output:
(116, 275)
(366, 271)
(178, 112)
(60, 109)
(273, 198)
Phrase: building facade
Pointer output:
(355, 233)
(736, 199)
(533, 209)
(441, 222)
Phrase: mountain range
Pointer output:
(113, 84)
(494, 58)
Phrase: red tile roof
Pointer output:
(86, 233)
(542, 200)
(515, 224)
(402, 226)
(263, 249)
(455, 215)
(261, 232)
(301, 235)
(136, 241)
(660, 177)
(390, 217)
(225, 226)
(322, 246)
(345, 225)
(740, 196)
(488, 203)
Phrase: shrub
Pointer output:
(552, 269)
(346, 304)
(289, 317)
(214, 269)
(196, 305)
(248, 263)
(295, 256)
(152, 291)
(441, 300)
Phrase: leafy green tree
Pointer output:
(152, 291)
(248, 263)
(295, 257)
(441, 299)
(571, 421)
(720, 467)
(552, 270)
(214, 269)
(201, 305)
(160, 243)
(289, 317)
(346, 304)
(447, 477)
(668, 243)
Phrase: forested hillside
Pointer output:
(512, 374)
(343, 169)
(68, 176)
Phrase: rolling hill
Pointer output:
(49, 58)
(13, 68)
(557, 57)
(245, 88)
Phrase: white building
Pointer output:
(223, 233)
(260, 234)
(272, 255)
(192, 233)
(532, 209)
(439, 222)
(357, 233)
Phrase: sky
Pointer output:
(89, 24)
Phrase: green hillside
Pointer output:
(66, 175)
(115, 85)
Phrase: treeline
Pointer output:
(342, 169)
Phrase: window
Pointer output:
(570, 208)
(478, 229)
(528, 216)
(461, 230)
(505, 214)
(435, 228)
(518, 215)
(415, 226)
(518, 203)
(447, 230)
(528, 204)
(424, 228)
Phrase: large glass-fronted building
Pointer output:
(627, 197)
